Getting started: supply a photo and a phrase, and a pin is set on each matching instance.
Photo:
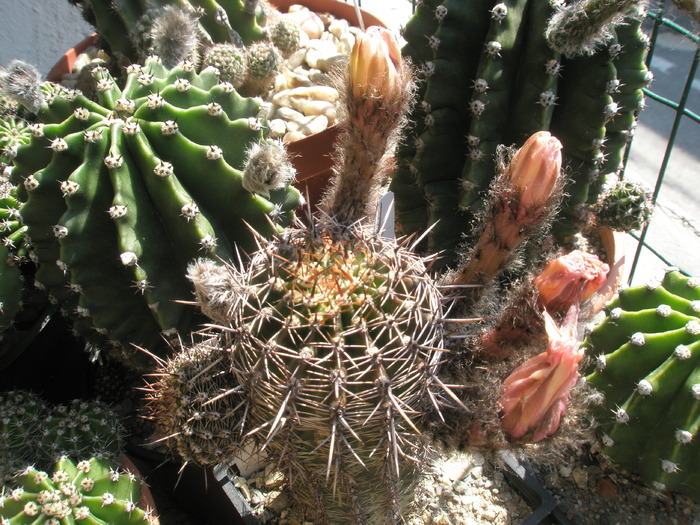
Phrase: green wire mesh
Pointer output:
(659, 17)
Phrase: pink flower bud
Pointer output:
(535, 394)
(570, 279)
(534, 169)
(374, 61)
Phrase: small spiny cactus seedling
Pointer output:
(122, 193)
(623, 205)
(80, 429)
(645, 358)
(230, 60)
(190, 399)
(21, 414)
(75, 492)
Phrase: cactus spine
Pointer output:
(645, 364)
(112, 248)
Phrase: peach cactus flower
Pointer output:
(570, 279)
(534, 169)
(374, 62)
(535, 394)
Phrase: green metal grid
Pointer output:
(659, 16)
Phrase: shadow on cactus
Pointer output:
(644, 366)
(123, 192)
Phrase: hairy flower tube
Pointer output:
(569, 280)
(535, 394)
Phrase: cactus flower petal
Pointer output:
(534, 169)
(374, 61)
(570, 279)
(535, 394)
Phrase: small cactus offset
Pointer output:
(623, 205)
(122, 193)
(87, 491)
(191, 402)
(80, 429)
(645, 358)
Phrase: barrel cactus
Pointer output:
(645, 364)
(493, 73)
(122, 193)
(87, 491)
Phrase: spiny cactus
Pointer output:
(489, 77)
(336, 332)
(170, 26)
(86, 491)
(122, 193)
(190, 399)
(263, 62)
(230, 60)
(623, 205)
(80, 429)
(645, 357)
(21, 414)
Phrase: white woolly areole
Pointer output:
(615, 313)
(644, 388)
(693, 327)
(695, 306)
(693, 282)
(621, 416)
(128, 258)
(601, 362)
(637, 339)
(663, 310)
(653, 284)
(608, 441)
(695, 390)
(683, 436)
(668, 466)
(682, 352)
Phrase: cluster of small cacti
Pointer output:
(245, 39)
(37, 433)
(644, 364)
(75, 491)
(493, 73)
(121, 193)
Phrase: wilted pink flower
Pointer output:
(534, 169)
(570, 279)
(374, 61)
(535, 394)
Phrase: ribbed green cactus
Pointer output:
(128, 29)
(21, 416)
(646, 355)
(196, 414)
(87, 491)
(492, 76)
(80, 429)
(122, 193)
(623, 205)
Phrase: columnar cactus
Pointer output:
(494, 73)
(645, 357)
(122, 193)
(86, 491)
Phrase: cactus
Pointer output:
(263, 63)
(623, 205)
(21, 416)
(86, 491)
(492, 77)
(335, 332)
(231, 62)
(645, 357)
(122, 24)
(80, 429)
(122, 193)
(190, 400)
